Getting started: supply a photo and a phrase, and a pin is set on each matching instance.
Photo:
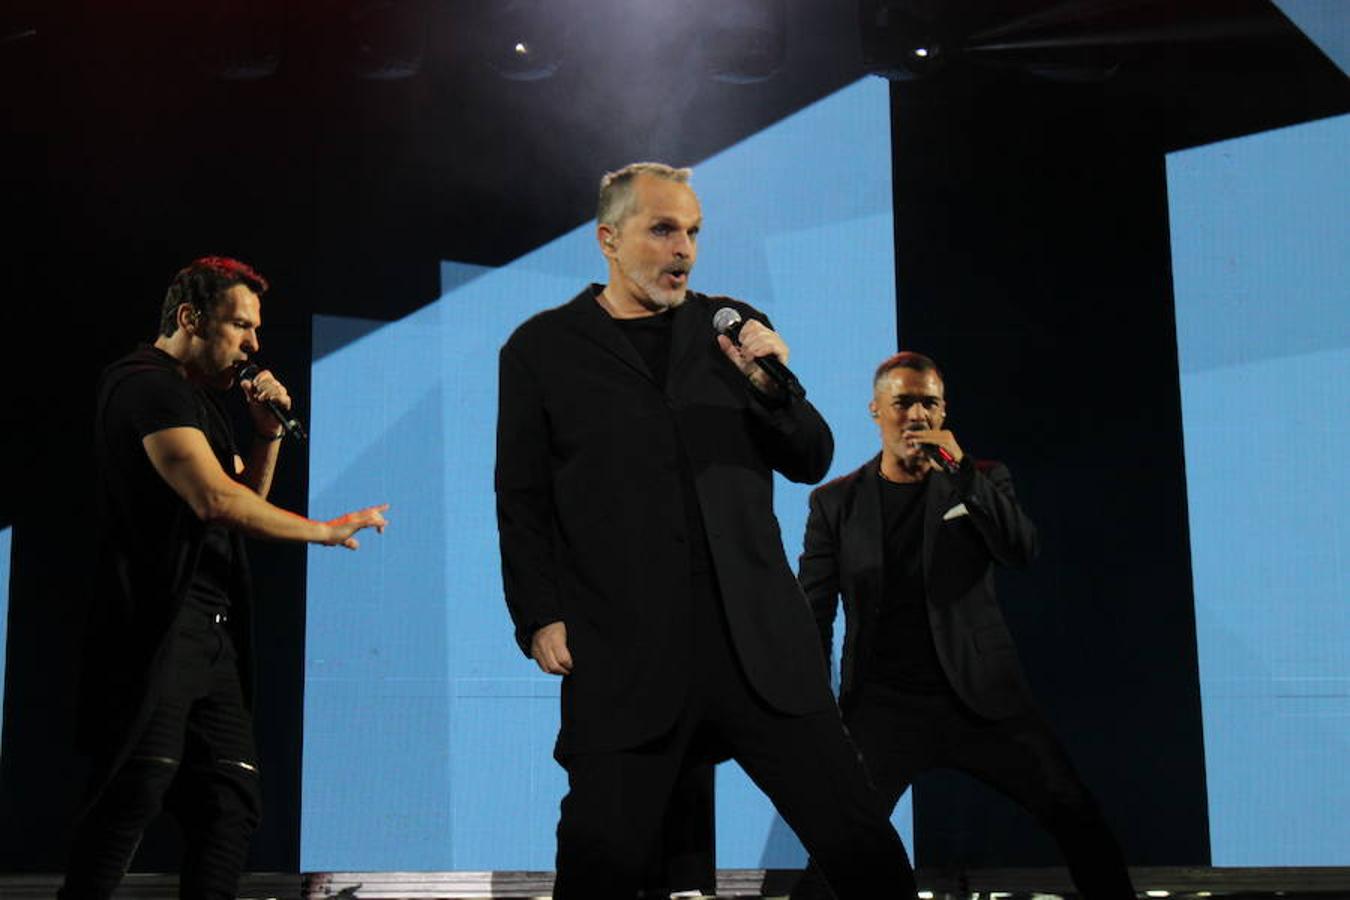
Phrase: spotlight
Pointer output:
(388, 38)
(744, 41)
(900, 39)
(925, 58)
(521, 41)
(241, 40)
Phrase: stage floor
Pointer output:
(1181, 883)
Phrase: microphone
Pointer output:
(938, 454)
(944, 460)
(249, 371)
(727, 321)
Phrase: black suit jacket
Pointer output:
(971, 522)
(591, 520)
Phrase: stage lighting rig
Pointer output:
(904, 39)
(1076, 41)
(388, 38)
(744, 41)
(239, 40)
(13, 34)
(524, 40)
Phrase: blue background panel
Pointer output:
(6, 537)
(1261, 261)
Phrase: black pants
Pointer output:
(901, 735)
(805, 764)
(196, 759)
(685, 856)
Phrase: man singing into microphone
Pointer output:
(643, 564)
(166, 705)
(930, 677)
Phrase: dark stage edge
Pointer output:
(1175, 882)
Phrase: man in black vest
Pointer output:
(642, 561)
(930, 677)
(165, 711)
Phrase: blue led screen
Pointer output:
(428, 736)
(6, 537)
(1325, 23)
(1261, 261)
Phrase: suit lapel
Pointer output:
(690, 327)
(936, 503)
(592, 322)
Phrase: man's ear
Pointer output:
(872, 408)
(189, 319)
(606, 234)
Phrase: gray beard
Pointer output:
(657, 296)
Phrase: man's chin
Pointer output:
(914, 464)
(663, 300)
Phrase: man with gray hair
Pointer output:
(642, 561)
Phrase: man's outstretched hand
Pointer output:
(343, 529)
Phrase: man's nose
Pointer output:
(251, 342)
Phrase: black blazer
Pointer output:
(971, 521)
(591, 520)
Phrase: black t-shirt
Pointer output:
(651, 337)
(150, 395)
(902, 653)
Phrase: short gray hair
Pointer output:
(616, 189)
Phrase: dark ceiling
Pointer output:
(343, 144)
(365, 119)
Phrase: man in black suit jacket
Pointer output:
(643, 563)
(930, 676)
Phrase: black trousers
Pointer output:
(612, 813)
(685, 856)
(196, 759)
(901, 735)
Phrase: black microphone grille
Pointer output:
(725, 319)
(245, 371)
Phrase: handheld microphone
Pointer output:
(727, 321)
(944, 460)
(940, 456)
(249, 371)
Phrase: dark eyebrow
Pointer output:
(667, 220)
